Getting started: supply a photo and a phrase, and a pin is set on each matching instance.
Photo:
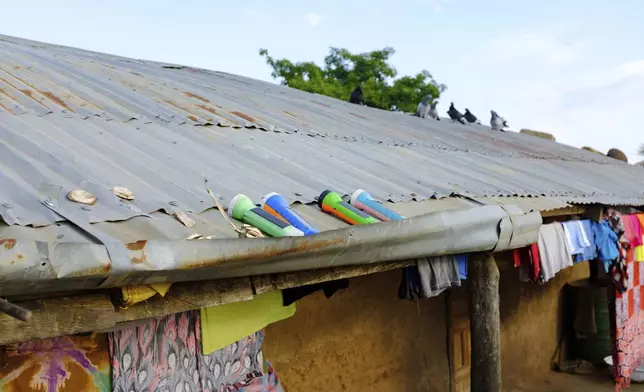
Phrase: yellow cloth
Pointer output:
(225, 324)
(639, 252)
(135, 294)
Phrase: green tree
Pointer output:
(343, 71)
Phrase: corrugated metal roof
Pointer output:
(81, 119)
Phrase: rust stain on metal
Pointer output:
(54, 98)
(269, 252)
(8, 243)
(138, 245)
(193, 118)
(28, 93)
(192, 95)
(139, 260)
(208, 109)
(102, 270)
(244, 116)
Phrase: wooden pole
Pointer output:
(485, 323)
(14, 310)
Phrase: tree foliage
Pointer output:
(343, 71)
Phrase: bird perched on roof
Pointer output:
(454, 114)
(433, 112)
(422, 110)
(470, 117)
(497, 122)
(356, 96)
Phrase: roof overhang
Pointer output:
(28, 266)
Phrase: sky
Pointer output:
(573, 68)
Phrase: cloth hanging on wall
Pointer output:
(606, 241)
(632, 230)
(627, 324)
(222, 325)
(411, 285)
(266, 383)
(437, 274)
(576, 236)
(165, 355)
(60, 364)
(554, 250)
(590, 252)
(617, 269)
(639, 250)
(461, 261)
(529, 263)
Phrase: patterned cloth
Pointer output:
(165, 355)
(61, 364)
(618, 270)
(628, 325)
(267, 383)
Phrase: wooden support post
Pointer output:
(485, 323)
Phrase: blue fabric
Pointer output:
(589, 252)
(461, 260)
(575, 237)
(606, 241)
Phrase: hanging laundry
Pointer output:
(410, 287)
(606, 241)
(461, 260)
(437, 274)
(60, 364)
(266, 383)
(165, 355)
(639, 250)
(576, 236)
(627, 324)
(222, 325)
(554, 250)
(590, 252)
(527, 259)
(632, 230)
(580, 239)
(329, 288)
(617, 269)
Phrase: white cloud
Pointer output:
(551, 46)
(313, 18)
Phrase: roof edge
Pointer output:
(32, 266)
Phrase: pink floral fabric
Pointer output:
(165, 355)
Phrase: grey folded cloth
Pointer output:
(437, 274)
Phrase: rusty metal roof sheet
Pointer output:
(80, 119)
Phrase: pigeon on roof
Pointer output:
(423, 107)
(497, 122)
(433, 112)
(356, 96)
(454, 114)
(470, 117)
